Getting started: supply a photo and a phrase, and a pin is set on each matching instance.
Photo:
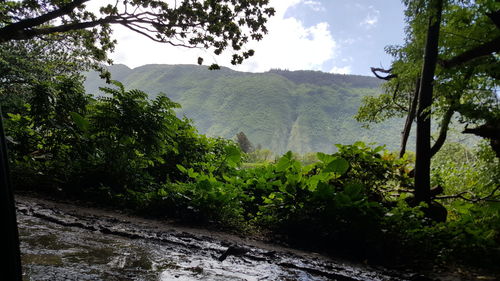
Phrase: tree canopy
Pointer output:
(216, 24)
(448, 64)
(466, 78)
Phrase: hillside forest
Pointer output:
(161, 140)
(301, 111)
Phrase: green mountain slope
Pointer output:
(302, 111)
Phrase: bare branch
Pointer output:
(388, 77)
(445, 122)
(409, 119)
(487, 198)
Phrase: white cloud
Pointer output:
(289, 44)
(341, 70)
(315, 5)
(371, 18)
(292, 46)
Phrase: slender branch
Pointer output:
(463, 37)
(405, 134)
(460, 195)
(375, 71)
(137, 29)
(443, 131)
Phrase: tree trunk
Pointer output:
(423, 155)
(9, 246)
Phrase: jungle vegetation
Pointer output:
(302, 111)
(128, 148)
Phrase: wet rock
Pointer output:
(234, 250)
(420, 277)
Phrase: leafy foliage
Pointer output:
(131, 151)
(466, 80)
(121, 141)
(219, 25)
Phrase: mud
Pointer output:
(64, 242)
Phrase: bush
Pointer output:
(117, 143)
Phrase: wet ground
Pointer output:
(64, 242)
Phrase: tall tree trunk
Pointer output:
(423, 157)
(9, 245)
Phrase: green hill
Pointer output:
(281, 110)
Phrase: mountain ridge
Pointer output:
(281, 110)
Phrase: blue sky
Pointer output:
(361, 29)
(339, 36)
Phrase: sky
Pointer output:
(337, 36)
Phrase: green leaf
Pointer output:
(338, 166)
(354, 190)
(233, 155)
(14, 117)
(325, 158)
(312, 183)
(81, 122)
(162, 192)
(323, 191)
(283, 164)
(342, 199)
(181, 168)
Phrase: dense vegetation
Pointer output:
(128, 149)
(302, 111)
(447, 66)
(124, 148)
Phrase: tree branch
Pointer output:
(28, 34)
(443, 131)
(388, 77)
(479, 51)
(488, 198)
(409, 120)
(14, 31)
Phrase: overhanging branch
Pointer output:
(16, 30)
(479, 51)
(375, 71)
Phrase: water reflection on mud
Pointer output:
(58, 246)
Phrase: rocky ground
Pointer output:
(63, 241)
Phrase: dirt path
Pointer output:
(64, 241)
(61, 240)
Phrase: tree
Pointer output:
(465, 80)
(215, 24)
(244, 143)
(423, 155)
(26, 63)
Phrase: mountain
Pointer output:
(281, 110)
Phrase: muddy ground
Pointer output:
(62, 241)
